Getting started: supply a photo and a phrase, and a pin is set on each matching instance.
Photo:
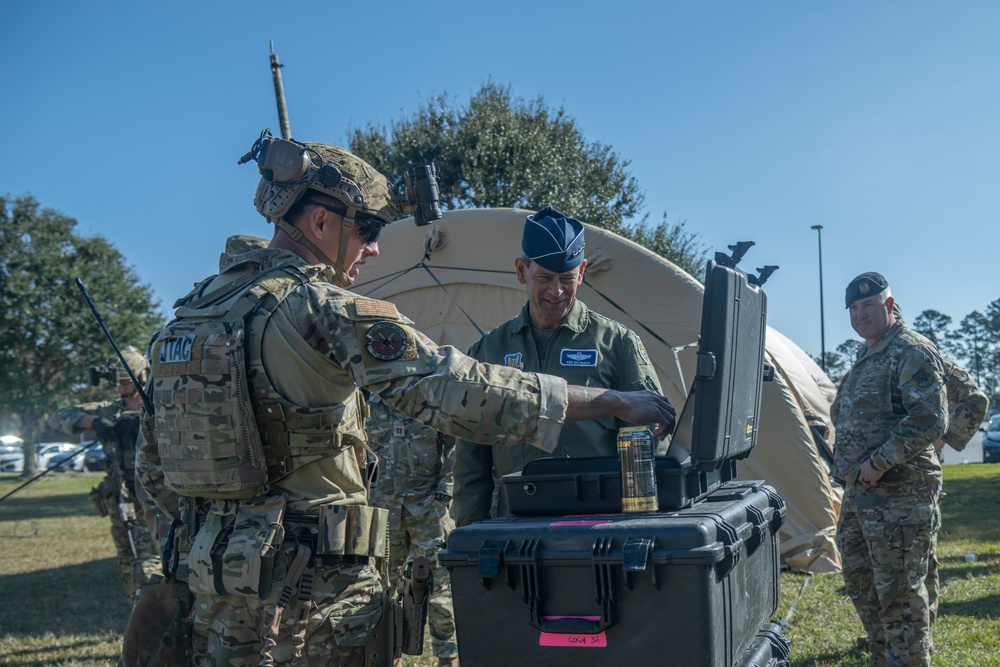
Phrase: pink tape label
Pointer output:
(600, 640)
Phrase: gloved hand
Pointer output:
(104, 429)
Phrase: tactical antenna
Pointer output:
(279, 94)
(146, 403)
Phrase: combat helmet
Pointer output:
(136, 360)
(290, 169)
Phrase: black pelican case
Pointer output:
(686, 587)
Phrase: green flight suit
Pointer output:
(586, 349)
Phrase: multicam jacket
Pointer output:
(323, 342)
(121, 452)
(415, 462)
(890, 408)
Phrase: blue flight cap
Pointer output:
(553, 240)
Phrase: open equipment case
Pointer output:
(566, 579)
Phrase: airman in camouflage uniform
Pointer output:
(890, 409)
(415, 485)
(309, 345)
(117, 425)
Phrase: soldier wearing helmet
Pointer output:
(116, 425)
(259, 418)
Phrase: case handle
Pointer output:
(573, 625)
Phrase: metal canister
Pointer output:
(635, 454)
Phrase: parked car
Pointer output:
(95, 460)
(991, 441)
(65, 461)
(11, 454)
(44, 451)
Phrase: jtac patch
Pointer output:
(578, 358)
(176, 349)
(515, 360)
(387, 341)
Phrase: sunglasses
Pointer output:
(368, 227)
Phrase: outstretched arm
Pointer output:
(634, 407)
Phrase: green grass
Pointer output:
(61, 601)
(824, 627)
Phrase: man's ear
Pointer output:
(522, 270)
(316, 220)
(888, 304)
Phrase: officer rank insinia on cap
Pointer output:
(553, 240)
(866, 285)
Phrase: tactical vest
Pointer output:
(223, 430)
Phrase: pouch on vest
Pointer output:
(204, 558)
(208, 441)
(353, 530)
(234, 554)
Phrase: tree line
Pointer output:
(973, 342)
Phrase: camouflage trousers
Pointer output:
(933, 579)
(137, 568)
(424, 535)
(343, 609)
(885, 541)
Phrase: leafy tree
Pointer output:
(671, 240)
(978, 345)
(48, 336)
(839, 361)
(503, 151)
(936, 327)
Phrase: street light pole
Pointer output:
(822, 324)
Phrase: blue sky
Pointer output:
(749, 120)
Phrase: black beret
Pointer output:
(553, 240)
(866, 285)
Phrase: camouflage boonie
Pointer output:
(415, 484)
(889, 410)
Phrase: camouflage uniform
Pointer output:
(620, 362)
(890, 408)
(115, 495)
(317, 346)
(967, 406)
(415, 485)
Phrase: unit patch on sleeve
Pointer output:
(642, 349)
(578, 358)
(387, 341)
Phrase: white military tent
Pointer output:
(456, 280)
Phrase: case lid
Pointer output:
(719, 420)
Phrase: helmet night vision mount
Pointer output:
(289, 168)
